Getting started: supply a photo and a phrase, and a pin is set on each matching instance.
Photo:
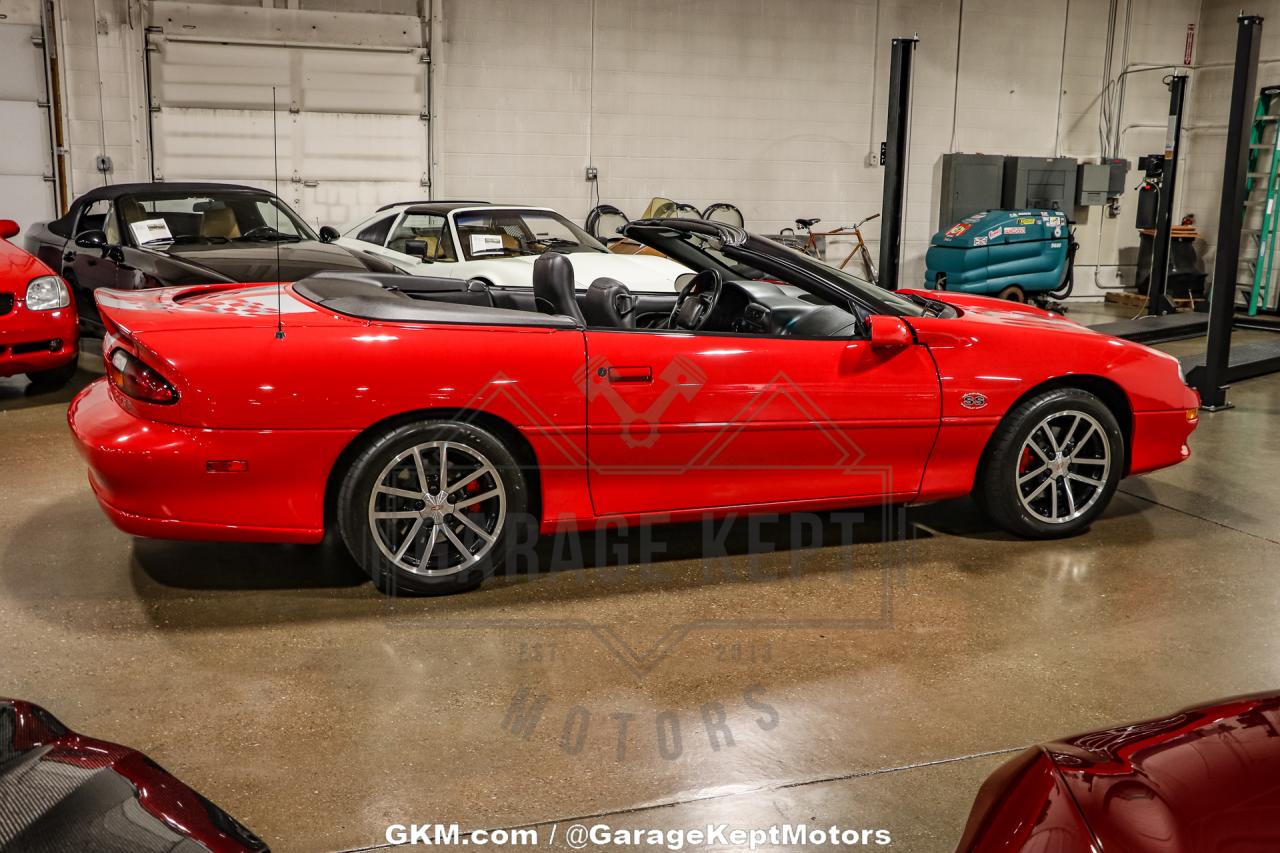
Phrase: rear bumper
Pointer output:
(151, 478)
(26, 336)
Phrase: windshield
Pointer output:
(882, 301)
(700, 247)
(156, 219)
(509, 233)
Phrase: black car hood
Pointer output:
(257, 261)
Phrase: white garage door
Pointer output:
(26, 168)
(351, 132)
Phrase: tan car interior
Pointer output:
(129, 212)
(219, 222)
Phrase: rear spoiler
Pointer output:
(125, 312)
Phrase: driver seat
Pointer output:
(553, 291)
(609, 303)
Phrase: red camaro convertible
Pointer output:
(38, 333)
(429, 420)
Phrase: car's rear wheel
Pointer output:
(433, 507)
(1052, 465)
(52, 380)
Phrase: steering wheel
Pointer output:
(697, 302)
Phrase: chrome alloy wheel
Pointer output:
(437, 508)
(1063, 467)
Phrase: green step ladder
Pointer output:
(1264, 150)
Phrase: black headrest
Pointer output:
(609, 303)
(553, 291)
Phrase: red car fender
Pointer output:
(1144, 385)
(1024, 806)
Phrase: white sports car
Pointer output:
(498, 244)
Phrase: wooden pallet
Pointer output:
(1125, 297)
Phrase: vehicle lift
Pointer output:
(893, 156)
(1210, 372)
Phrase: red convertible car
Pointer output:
(38, 334)
(1198, 781)
(429, 420)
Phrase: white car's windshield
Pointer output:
(508, 233)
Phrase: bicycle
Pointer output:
(815, 238)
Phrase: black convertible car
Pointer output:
(134, 236)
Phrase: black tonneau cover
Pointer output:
(435, 300)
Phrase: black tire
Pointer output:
(1028, 508)
(1013, 293)
(468, 446)
(52, 380)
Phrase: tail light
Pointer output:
(136, 380)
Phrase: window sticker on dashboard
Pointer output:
(484, 243)
(151, 231)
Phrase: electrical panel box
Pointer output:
(969, 183)
(1044, 183)
(1093, 182)
(1119, 176)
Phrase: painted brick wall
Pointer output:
(103, 90)
(776, 106)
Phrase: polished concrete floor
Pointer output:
(871, 684)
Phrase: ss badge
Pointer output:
(973, 401)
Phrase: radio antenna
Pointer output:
(275, 165)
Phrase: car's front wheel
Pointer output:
(1052, 465)
(433, 507)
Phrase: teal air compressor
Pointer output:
(1022, 255)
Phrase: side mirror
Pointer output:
(8, 229)
(890, 333)
(417, 249)
(328, 234)
(92, 240)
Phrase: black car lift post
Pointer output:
(1213, 393)
(1158, 303)
(894, 159)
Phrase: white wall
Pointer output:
(100, 53)
(776, 106)
(771, 105)
(26, 169)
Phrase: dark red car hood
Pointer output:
(268, 261)
(1203, 779)
(64, 791)
(1207, 778)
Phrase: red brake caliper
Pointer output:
(1025, 462)
(471, 489)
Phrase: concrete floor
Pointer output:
(871, 685)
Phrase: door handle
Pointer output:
(630, 374)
